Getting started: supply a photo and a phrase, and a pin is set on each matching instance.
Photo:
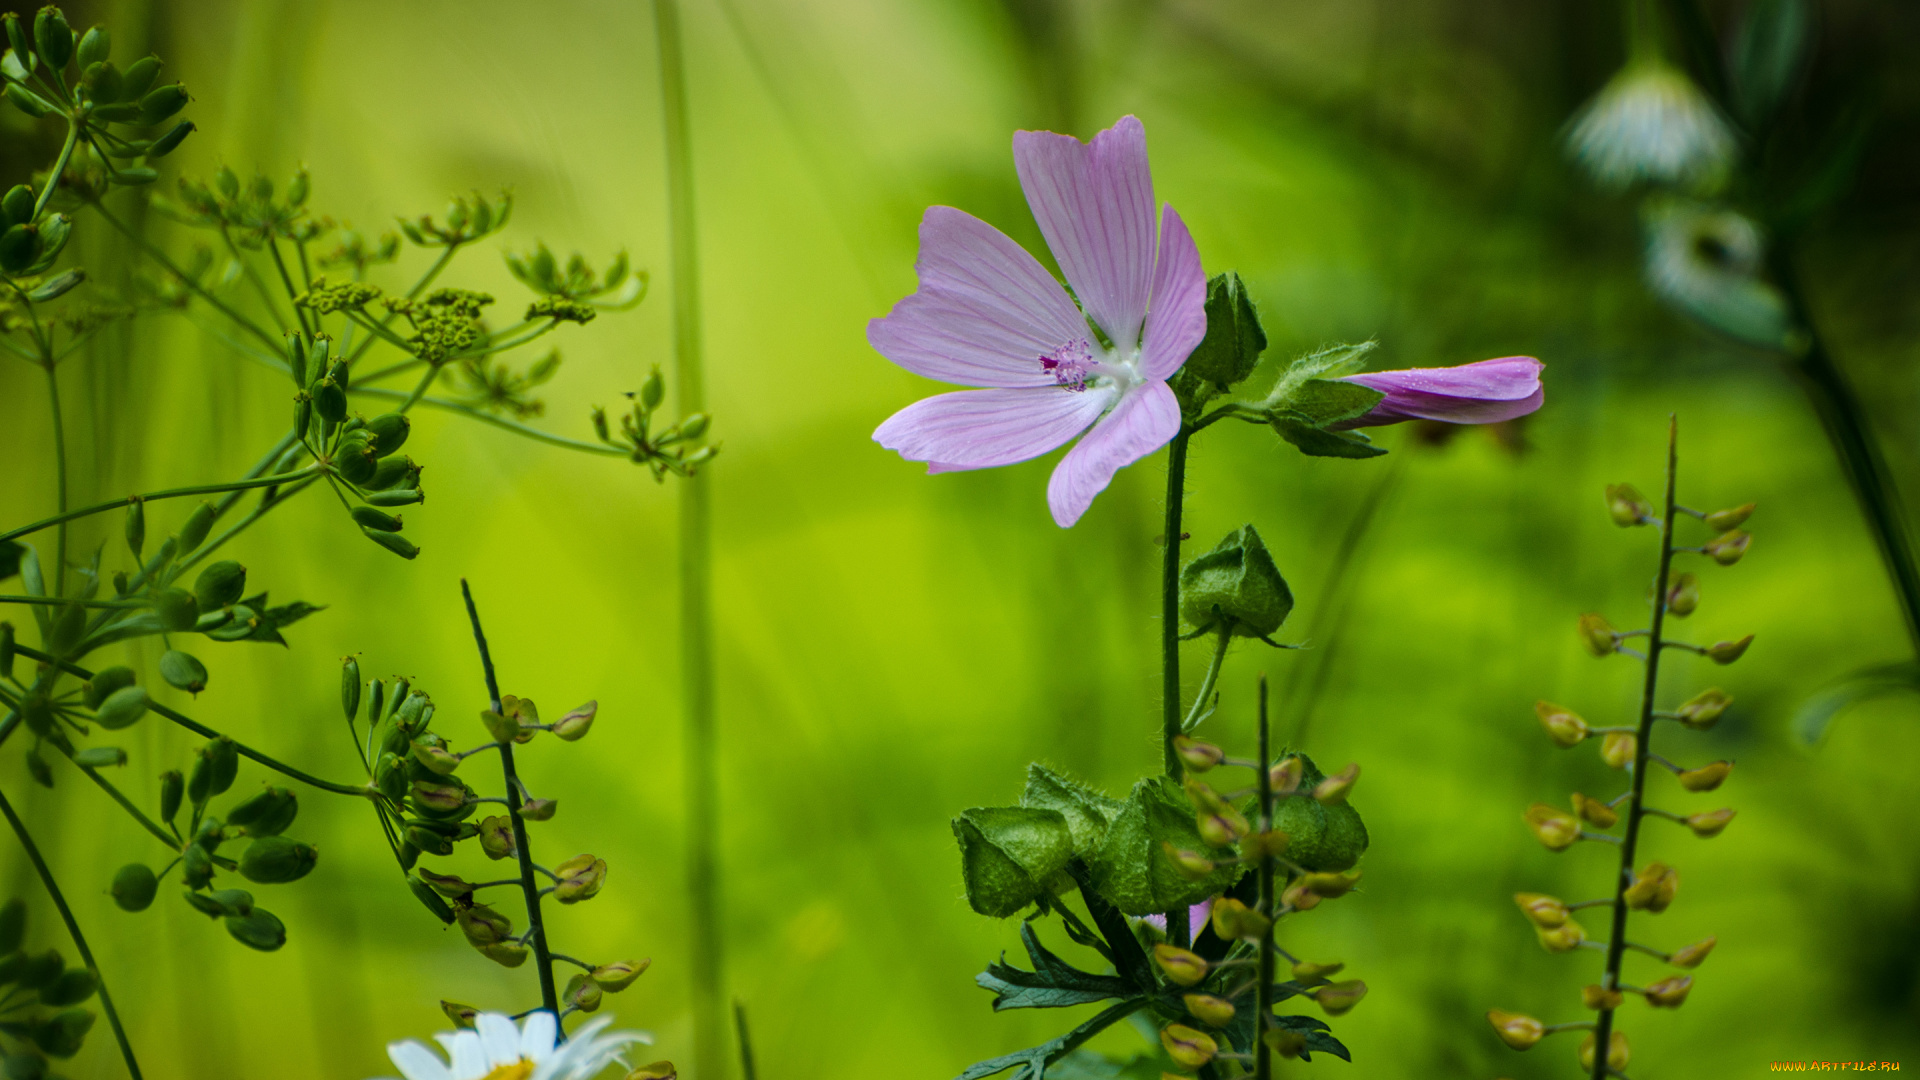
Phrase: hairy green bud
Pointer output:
(1236, 586)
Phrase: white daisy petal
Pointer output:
(416, 1062)
(468, 1059)
(537, 1035)
(498, 1037)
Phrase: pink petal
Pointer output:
(978, 429)
(1094, 204)
(986, 310)
(1486, 392)
(1178, 318)
(1146, 418)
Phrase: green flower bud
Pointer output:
(653, 391)
(140, 76)
(13, 926)
(136, 527)
(172, 787)
(619, 975)
(428, 841)
(582, 993)
(538, 809)
(258, 930)
(391, 430)
(369, 518)
(1008, 855)
(393, 542)
(134, 886)
(483, 925)
(580, 878)
(1234, 340)
(196, 867)
(195, 530)
(267, 814)
(496, 837)
(573, 726)
(220, 585)
(53, 38)
(276, 860)
(431, 899)
(1236, 582)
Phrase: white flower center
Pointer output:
(519, 1070)
(1075, 366)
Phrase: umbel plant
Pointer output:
(1175, 888)
(316, 302)
(1648, 887)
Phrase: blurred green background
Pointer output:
(894, 648)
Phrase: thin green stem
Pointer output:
(1263, 985)
(1636, 808)
(273, 344)
(259, 283)
(1179, 929)
(497, 421)
(73, 931)
(59, 169)
(169, 493)
(286, 282)
(420, 390)
(1194, 716)
(59, 602)
(267, 505)
(701, 746)
(60, 481)
(747, 1069)
(529, 888)
(126, 804)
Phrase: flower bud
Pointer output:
(1619, 749)
(1653, 888)
(659, 1070)
(1597, 634)
(1554, 828)
(483, 925)
(1627, 506)
(1234, 339)
(1563, 938)
(1594, 812)
(496, 837)
(1617, 1051)
(573, 726)
(272, 860)
(1181, 967)
(1726, 652)
(580, 878)
(1689, 956)
(582, 993)
(1330, 886)
(1283, 1041)
(538, 809)
(1285, 776)
(1190, 864)
(1298, 897)
(1222, 828)
(1598, 997)
(621, 974)
(1187, 1046)
(462, 1016)
(1338, 999)
(1307, 971)
(1683, 596)
(1235, 586)
(134, 886)
(1563, 726)
(1703, 709)
(1726, 550)
(1198, 756)
(1669, 992)
(1725, 520)
(1706, 777)
(508, 954)
(431, 751)
(1209, 1010)
(1235, 921)
(1708, 823)
(1546, 912)
(1334, 789)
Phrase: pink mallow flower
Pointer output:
(1485, 392)
(987, 314)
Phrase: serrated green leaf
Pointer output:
(1132, 870)
(1052, 984)
(1031, 1063)
(1087, 811)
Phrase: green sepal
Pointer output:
(1314, 442)
(1087, 811)
(1234, 340)
(1236, 582)
(1132, 870)
(1008, 854)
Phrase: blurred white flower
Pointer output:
(1650, 123)
(496, 1050)
(1706, 260)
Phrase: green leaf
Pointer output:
(1769, 50)
(1031, 1063)
(1314, 442)
(1133, 872)
(1052, 984)
(1007, 854)
(1087, 811)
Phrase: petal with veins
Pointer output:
(978, 429)
(1146, 418)
(1094, 204)
(1178, 318)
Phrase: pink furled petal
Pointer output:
(979, 429)
(986, 310)
(1146, 418)
(1094, 204)
(1178, 318)
(1486, 392)
(1197, 917)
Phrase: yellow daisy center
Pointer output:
(519, 1070)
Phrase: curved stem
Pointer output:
(1206, 684)
(169, 493)
(1636, 809)
(273, 344)
(54, 601)
(529, 888)
(59, 169)
(73, 931)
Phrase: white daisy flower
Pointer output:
(496, 1050)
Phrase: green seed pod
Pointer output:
(162, 102)
(482, 925)
(57, 287)
(393, 542)
(196, 867)
(620, 974)
(172, 787)
(121, 583)
(302, 412)
(53, 38)
(136, 527)
(389, 777)
(123, 112)
(410, 854)
(695, 426)
(428, 841)
(376, 692)
(260, 930)
(17, 206)
(122, 708)
(431, 751)
(196, 528)
(132, 177)
(297, 359)
(19, 245)
(397, 694)
(329, 400)
(210, 834)
(17, 37)
(232, 901)
(183, 672)
(338, 372)
(1007, 855)
(13, 926)
(139, 76)
(266, 814)
(391, 430)
(220, 585)
(95, 46)
(394, 472)
(28, 102)
(298, 187)
(105, 682)
(262, 188)
(177, 609)
(350, 688)
(6, 650)
(653, 391)
(227, 184)
(100, 757)
(369, 518)
(102, 81)
(1236, 584)
(134, 886)
(54, 230)
(74, 986)
(168, 143)
(205, 905)
(425, 894)
(396, 497)
(226, 763)
(355, 459)
(276, 860)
